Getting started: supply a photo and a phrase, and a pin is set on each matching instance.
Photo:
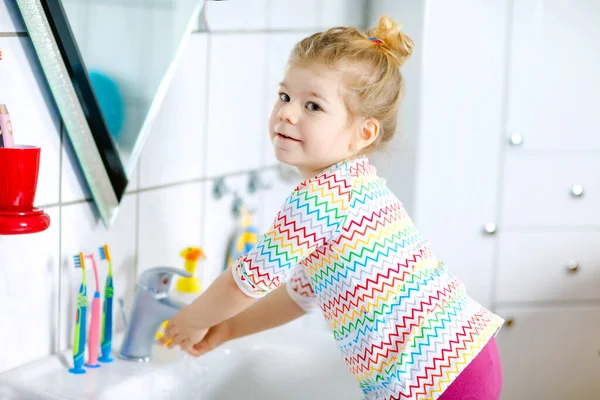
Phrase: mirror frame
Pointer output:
(66, 74)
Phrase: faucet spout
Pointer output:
(152, 306)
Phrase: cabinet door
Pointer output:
(460, 123)
(553, 74)
(550, 354)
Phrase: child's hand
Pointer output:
(216, 336)
(182, 331)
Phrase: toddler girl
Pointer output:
(343, 243)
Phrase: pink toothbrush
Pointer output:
(94, 343)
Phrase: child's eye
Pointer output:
(284, 97)
(310, 106)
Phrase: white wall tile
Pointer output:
(236, 110)
(342, 13)
(294, 14)
(236, 15)
(29, 294)
(279, 47)
(219, 224)
(10, 17)
(33, 113)
(271, 200)
(83, 231)
(175, 149)
(169, 220)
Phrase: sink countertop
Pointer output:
(302, 363)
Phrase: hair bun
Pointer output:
(392, 39)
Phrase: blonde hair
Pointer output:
(370, 63)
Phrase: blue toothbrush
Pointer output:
(106, 345)
(80, 319)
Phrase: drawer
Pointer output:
(545, 266)
(550, 354)
(538, 190)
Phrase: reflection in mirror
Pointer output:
(109, 64)
(127, 47)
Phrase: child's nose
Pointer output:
(289, 113)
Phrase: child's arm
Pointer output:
(284, 304)
(275, 309)
(221, 300)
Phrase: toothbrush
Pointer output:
(108, 309)
(80, 320)
(94, 343)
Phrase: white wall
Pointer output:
(213, 122)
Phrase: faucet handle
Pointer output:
(158, 279)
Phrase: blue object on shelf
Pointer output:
(110, 99)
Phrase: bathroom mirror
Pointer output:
(109, 64)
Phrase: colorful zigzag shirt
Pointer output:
(344, 243)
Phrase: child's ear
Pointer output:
(368, 131)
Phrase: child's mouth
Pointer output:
(285, 137)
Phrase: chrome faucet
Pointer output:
(151, 307)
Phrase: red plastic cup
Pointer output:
(19, 168)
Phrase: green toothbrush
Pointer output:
(106, 341)
(80, 319)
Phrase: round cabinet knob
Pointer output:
(509, 322)
(516, 139)
(490, 228)
(577, 190)
(572, 266)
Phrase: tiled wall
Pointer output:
(213, 122)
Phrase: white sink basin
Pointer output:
(286, 363)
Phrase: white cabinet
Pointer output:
(491, 70)
(548, 266)
(550, 354)
(548, 246)
(553, 74)
(550, 190)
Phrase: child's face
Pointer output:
(309, 125)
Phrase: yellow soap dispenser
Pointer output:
(187, 289)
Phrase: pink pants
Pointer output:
(481, 380)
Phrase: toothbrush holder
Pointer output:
(19, 168)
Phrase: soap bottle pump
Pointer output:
(187, 289)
